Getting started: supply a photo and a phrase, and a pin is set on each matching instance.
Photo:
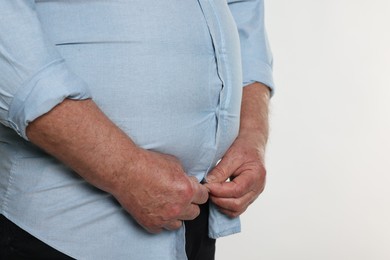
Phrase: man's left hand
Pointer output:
(239, 178)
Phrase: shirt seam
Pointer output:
(14, 162)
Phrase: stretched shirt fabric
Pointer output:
(168, 73)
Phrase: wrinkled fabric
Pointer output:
(168, 73)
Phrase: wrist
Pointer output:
(124, 163)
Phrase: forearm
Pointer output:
(81, 136)
(151, 186)
(254, 113)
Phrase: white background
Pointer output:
(328, 159)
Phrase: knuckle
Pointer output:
(174, 212)
(238, 191)
(173, 225)
(177, 225)
(192, 213)
(183, 191)
(219, 172)
(236, 214)
(186, 191)
(236, 205)
(262, 172)
(152, 228)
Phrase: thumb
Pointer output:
(222, 171)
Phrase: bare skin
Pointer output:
(152, 187)
(243, 163)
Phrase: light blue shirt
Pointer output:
(168, 73)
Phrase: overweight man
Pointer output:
(130, 129)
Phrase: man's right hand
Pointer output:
(152, 187)
(158, 194)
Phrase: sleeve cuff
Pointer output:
(42, 93)
(258, 71)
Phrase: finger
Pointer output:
(231, 214)
(224, 169)
(242, 184)
(190, 213)
(153, 230)
(237, 204)
(201, 193)
(173, 225)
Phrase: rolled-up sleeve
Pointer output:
(34, 78)
(255, 50)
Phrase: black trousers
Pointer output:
(15, 243)
(198, 244)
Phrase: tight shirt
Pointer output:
(168, 73)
